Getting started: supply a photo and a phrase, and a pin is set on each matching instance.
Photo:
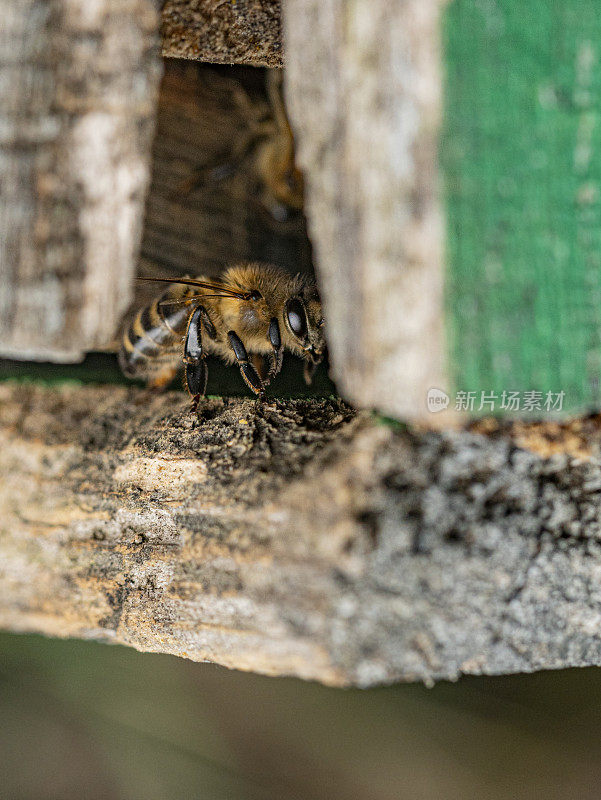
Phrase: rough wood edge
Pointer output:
(79, 85)
(244, 32)
(364, 96)
(298, 537)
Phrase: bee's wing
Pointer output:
(217, 289)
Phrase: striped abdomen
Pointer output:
(151, 347)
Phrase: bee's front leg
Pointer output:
(309, 371)
(249, 374)
(194, 359)
(277, 354)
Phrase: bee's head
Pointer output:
(303, 318)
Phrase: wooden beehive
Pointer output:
(304, 537)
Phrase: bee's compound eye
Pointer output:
(297, 319)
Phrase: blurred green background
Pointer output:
(84, 720)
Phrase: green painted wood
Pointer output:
(521, 155)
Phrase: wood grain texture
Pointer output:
(78, 84)
(364, 98)
(241, 32)
(298, 537)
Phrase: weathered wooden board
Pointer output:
(298, 537)
(521, 153)
(240, 32)
(78, 85)
(363, 94)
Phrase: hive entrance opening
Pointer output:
(225, 188)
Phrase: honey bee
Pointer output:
(248, 317)
(266, 147)
(283, 184)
